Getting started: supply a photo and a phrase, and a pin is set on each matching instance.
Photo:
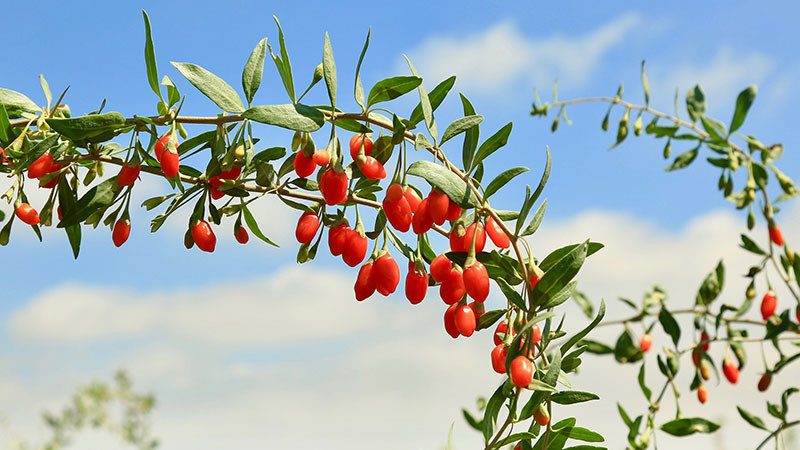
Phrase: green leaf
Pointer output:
(96, 198)
(490, 414)
(66, 201)
(254, 70)
(560, 274)
(645, 390)
(447, 181)
(293, 116)
(561, 296)
(511, 294)
(598, 348)
(752, 419)
(503, 179)
(6, 134)
(435, 98)
(253, 225)
(536, 221)
(472, 135)
(582, 334)
(583, 301)
(683, 160)
(358, 90)
(670, 325)
(150, 56)
(212, 86)
(514, 438)
(545, 177)
(625, 351)
(329, 69)
(743, 102)
(88, 127)
(689, 425)
(557, 254)
(391, 88)
(459, 126)
(489, 318)
(425, 103)
(712, 285)
(173, 95)
(16, 103)
(282, 62)
(572, 397)
(714, 127)
(583, 434)
(645, 86)
(491, 145)
(750, 245)
(695, 103)
(46, 90)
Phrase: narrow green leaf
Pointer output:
(46, 90)
(583, 301)
(492, 410)
(752, 419)
(425, 103)
(254, 70)
(645, 390)
(282, 62)
(471, 137)
(511, 294)
(545, 177)
(689, 425)
(750, 245)
(572, 397)
(459, 126)
(295, 116)
(492, 144)
(557, 254)
(212, 86)
(358, 90)
(536, 221)
(503, 179)
(714, 127)
(329, 69)
(489, 318)
(560, 274)
(743, 102)
(435, 98)
(150, 57)
(683, 160)
(580, 335)
(253, 225)
(391, 88)
(645, 86)
(66, 201)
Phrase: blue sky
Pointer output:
(499, 52)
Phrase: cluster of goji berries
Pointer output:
(406, 210)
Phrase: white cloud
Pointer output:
(259, 363)
(488, 60)
(722, 76)
(230, 314)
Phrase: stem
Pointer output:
(780, 428)
(502, 429)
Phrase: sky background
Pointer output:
(217, 337)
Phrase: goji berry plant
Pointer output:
(428, 190)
